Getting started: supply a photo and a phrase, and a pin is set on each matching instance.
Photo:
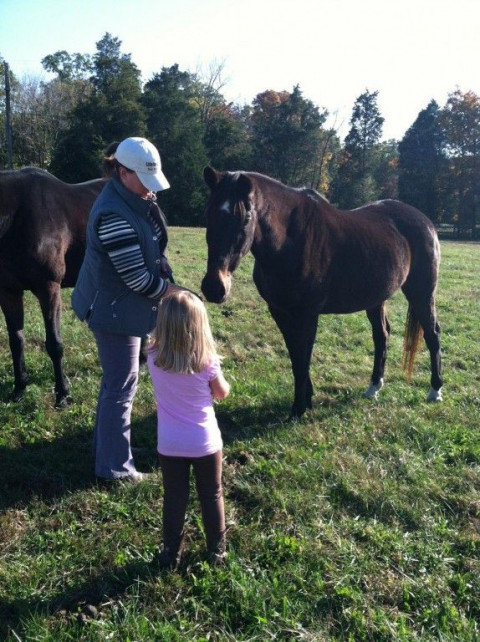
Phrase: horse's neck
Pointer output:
(289, 221)
(271, 228)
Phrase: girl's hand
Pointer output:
(165, 269)
(220, 387)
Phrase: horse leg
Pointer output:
(51, 304)
(380, 333)
(425, 314)
(298, 329)
(12, 307)
(432, 339)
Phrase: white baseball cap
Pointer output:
(139, 155)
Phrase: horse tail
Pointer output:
(411, 339)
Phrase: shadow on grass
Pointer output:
(43, 380)
(48, 469)
(245, 422)
(82, 601)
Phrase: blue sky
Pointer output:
(409, 50)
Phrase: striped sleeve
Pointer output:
(120, 241)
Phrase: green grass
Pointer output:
(361, 521)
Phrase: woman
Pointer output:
(123, 276)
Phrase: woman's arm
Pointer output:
(121, 244)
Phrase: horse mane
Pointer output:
(307, 219)
(313, 194)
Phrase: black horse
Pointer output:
(312, 259)
(42, 244)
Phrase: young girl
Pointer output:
(186, 376)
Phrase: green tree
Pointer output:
(225, 125)
(355, 183)
(174, 126)
(40, 109)
(385, 169)
(421, 163)
(461, 120)
(286, 136)
(41, 113)
(35, 122)
(14, 87)
(325, 165)
(112, 111)
(36, 114)
(226, 138)
(68, 67)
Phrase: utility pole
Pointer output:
(8, 124)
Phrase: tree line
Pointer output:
(65, 125)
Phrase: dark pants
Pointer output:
(176, 487)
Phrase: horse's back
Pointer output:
(42, 226)
(396, 238)
(353, 260)
(391, 222)
(34, 197)
(418, 230)
(408, 219)
(24, 191)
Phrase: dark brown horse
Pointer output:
(312, 259)
(42, 244)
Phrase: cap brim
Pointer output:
(154, 182)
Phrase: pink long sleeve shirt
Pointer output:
(186, 421)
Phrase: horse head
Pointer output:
(231, 220)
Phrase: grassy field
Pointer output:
(361, 521)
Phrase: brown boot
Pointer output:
(215, 558)
(169, 560)
(171, 553)
(217, 554)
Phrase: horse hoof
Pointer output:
(63, 402)
(372, 391)
(296, 413)
(16, 395)
(434, 395)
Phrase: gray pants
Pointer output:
(119, 358)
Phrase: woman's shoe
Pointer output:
(133, 478)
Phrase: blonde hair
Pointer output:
(182, 338)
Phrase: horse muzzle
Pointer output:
(216, 286)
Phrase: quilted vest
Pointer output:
(100, 296)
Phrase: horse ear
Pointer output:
(211, 177)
